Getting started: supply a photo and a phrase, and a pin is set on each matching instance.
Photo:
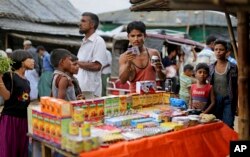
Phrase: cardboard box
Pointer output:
(48, 126)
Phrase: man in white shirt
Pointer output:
(106, 72)
(207, 54)
(92, 57)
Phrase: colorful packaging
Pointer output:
(108, 107)
(87, 110)
(136, 101)
(165, 98)
(73, 128)
(115, 105)
(87, 144)
(78, 115)
(85, 129)
(123, 103)
(143, 87)
(99, 108)
(92, 111)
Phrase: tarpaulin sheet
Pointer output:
(205, 140)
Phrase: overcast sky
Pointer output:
(100, 6)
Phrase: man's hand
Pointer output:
(80, 97)
(129, 56)
(157, 66)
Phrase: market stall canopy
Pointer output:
(164, 5)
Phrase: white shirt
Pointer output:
(92, 49)
(206, 56)
(107, 70)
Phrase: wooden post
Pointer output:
(5, 40)
(231, 34)
(243, 76)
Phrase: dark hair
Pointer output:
(222, 42)
(138, 25)
(57, 55)
(171, 48)
(94, 18)
(74, 58)
(40, 47)
(202, 66)
(188, 67)
(229, 46)
(210, 39)
(18, 56)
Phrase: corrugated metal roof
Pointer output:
(50, 39)
(47, 11)
(25, 26)
(165, 18)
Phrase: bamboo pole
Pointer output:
(231, 34)
(243, 76)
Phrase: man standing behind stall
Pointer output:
(92, 57)
(207, 54)
(138, 67)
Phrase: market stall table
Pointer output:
(211, 140)
(46, 148)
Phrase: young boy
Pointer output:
(74, 70)
(202, 94)
(186, 81)
(224, 77)
(62, 86)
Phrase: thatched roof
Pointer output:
(164, 18)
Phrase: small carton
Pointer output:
(47, 125)
(136, 101)
(129, 101)
(100, 107)
(166, 97)
(92, 111)
(44, 101)
(143, 87)
(108, 107)
(123, 103)
(115, 105)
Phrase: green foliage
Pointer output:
(5, 64)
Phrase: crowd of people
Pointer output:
(60, 74)
(208, 82)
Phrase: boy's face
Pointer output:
(74, 67)
(201, 74)
(67, 63)
(220, 51)
(189, 73)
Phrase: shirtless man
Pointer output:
(138, 67)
